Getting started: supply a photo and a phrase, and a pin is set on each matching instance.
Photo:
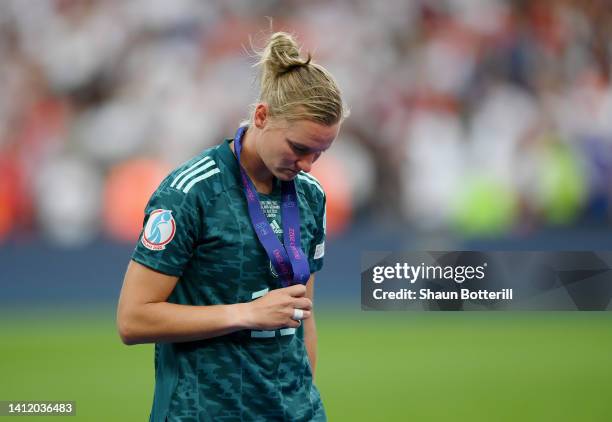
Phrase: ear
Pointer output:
(260, 117)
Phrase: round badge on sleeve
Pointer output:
(159, 230)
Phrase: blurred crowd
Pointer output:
(479, 116)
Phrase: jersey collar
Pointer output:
(229, 159)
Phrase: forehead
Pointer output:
(312, 134)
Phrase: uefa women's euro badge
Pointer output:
(159, 230)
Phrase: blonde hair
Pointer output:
(296, 88)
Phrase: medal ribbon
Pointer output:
(288, 259)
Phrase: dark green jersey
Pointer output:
(197, 227)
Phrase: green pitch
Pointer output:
(372, 366)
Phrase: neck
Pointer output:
(252, 162)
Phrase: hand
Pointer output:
(275, 309)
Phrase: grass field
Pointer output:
(372, 366)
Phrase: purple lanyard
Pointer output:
(288, 260)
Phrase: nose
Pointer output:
(305, 163)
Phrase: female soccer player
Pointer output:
(223, 274)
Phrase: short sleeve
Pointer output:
(170, 231)
(317, 247)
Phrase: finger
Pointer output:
(297, 290)
(302, 303)
(306, 315)
(300, 314)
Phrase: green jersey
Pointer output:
(197, 227)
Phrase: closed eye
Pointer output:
(299, 149)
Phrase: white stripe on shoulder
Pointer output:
(199, 170)
(184, 172)
(309, 179)
(200, 178)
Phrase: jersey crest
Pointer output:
(159, 231)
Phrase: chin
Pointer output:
(286, 175)
(285, 178)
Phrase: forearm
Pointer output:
(168, 322)
(310, 341)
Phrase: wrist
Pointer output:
(241, 314)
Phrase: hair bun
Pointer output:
(295, 88)
(282, 54)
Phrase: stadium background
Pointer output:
(475, 124)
